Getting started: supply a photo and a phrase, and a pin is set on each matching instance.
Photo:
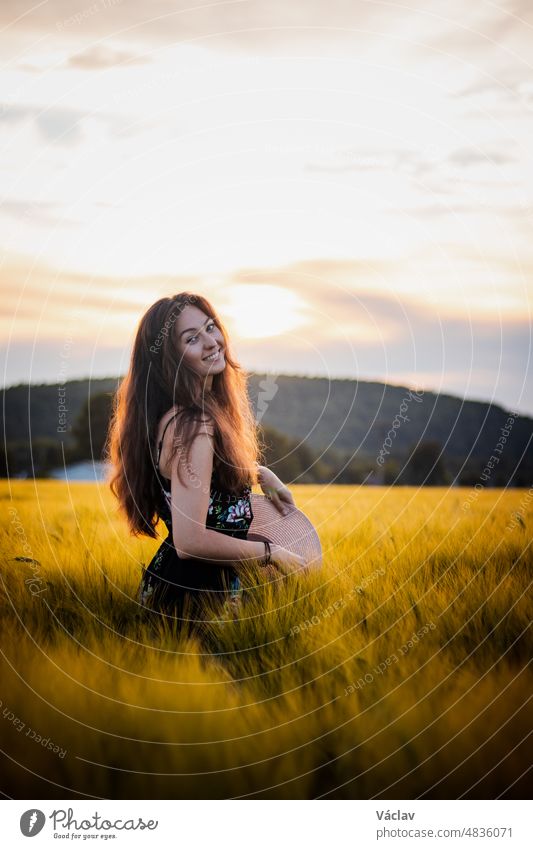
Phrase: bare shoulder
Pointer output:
(207, 423)
(168, 433)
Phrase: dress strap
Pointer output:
(162, 438)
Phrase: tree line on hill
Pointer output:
(421, 463)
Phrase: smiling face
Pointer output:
(198, 338)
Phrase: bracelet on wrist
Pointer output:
(267, 559)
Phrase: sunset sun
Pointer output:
(258, 311)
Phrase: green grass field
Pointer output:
(401, 670)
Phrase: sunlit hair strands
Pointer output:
(159, 378)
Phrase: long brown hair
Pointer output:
(157, 380)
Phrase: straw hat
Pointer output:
(293, 531)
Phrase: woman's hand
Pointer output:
(276, 491)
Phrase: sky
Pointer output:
(349, 183)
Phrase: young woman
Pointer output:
(184, 448)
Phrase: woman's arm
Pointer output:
(190, 502)
(220, 548)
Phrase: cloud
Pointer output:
(60, 125)
(478, 32)
(101, 57)
(413, 162)
(65, 126)
(317, 270)
(68, 292)
(366, 159)
(54, 125)
(276, 27)
(467, 156)
(37, 212)
(480, 359)
(437, 210)
(373, 318)
(502, 84)
(10, 114)
(248, 25)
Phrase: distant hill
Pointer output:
(31, 410)
(356, 416)
(346, 417)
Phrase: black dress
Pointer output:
(180, 587)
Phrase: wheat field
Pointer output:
(400, 670)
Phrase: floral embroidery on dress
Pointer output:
(238, 513)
